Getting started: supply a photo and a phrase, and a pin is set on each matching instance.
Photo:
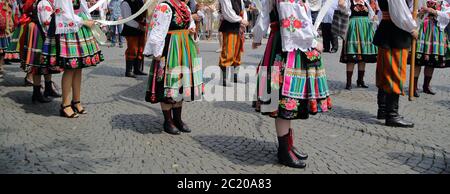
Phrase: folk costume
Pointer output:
(27, 43)
(358, 47)
(233, 32)
(176, 72)
(393, 39)
(71, 45)
(433, 43)
(134, 32)
(9, 18)
(292, 83)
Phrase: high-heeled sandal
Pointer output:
(63, 113)
(83, 111)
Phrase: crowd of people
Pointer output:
(51, 37)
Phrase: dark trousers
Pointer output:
(330, 41)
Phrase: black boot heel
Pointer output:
(38, 97)
(50, 90)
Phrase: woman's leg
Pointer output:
(169, 126)
(177, 110)
(2, 62)
(76, 87)
(37, 94)
(427, 80)
(361, 72)
(286, 154)
(417, 70)
(66, 84)
(350, 67)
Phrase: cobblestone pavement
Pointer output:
(123, 134)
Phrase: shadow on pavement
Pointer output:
(240, 150)
(139, 123)
(23, 98)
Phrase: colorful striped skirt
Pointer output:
(289, 87)
(358, 46)
(178, 76)
(27, 42)
(4, 43)
(432, 45)
(232, 49)
(73, 50)
(391, 70)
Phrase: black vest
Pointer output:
(227, 26)
(135, 6)
(388, 35)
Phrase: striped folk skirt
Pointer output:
(232, 49)
(73, 50)
(289, 87)
(432, 45)
(27, 42)
(178, 76)
(358, 46)
(391, 70)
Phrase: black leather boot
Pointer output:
(393, 119)
(426, 86)
(129, 69)
(50, 90)
(169, 126)
(300, 155)
(286, 155)
(38, 97)
(178, 121)
(139, 67)
(360, 81)
(348, 86)
(416, 91)
(381, 101)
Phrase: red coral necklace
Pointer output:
(182, 10)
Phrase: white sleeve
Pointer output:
(159, 27)
(192, 21)
(316, 34)
(443, 17)
(228, 12)
(401, 15)
(263, 22)
(45, 11)
(245, 16)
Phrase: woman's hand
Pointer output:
(342, 3)
(89, 23)
(158, 58)
(319, 47)
(192, 30)
(415, 34)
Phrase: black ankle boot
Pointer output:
(393, 119)
(129, 69)
(38, 97)
(139, 67)
(381, 101)
(300, 155)
(169, 126)
(360, 81)
(286, 155)
(348, 86)
(223, 78)
(50, 90)
(178, 122)
(426, 86)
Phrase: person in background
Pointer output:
(315, 6)
(115, 14)
(134, 32)
(330, 40)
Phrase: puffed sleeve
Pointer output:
(401, 15)
(159, 26)
(192, 21)
(443, 17)
(316, 34)
(45, 11)
(263, 22)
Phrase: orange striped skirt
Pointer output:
(232, 49)
(391, 70)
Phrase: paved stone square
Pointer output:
(123, 134)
